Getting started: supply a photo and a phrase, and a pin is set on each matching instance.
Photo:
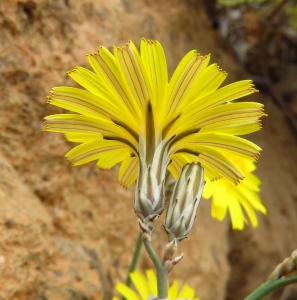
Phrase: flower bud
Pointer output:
(184, 202)
(150, 197)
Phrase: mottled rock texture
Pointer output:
(69, 233)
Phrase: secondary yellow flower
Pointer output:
(237, 199)
(130, 114)
(147, 288)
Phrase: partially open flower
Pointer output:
(184, 202)
(240, 200)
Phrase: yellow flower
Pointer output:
(128, 112)
(147, 288)
(227, 196)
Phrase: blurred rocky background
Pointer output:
(69, 232)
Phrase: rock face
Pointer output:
(69, 233)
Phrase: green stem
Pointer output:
(270, 286)
(134, 260)
(161, 272)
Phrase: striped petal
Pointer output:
(182, 79)
(213, 159)
(106, 67)
(128, 171)
(154, 61)
(208, 82)
(225, 94)
(229, 143)
(180, 159)
(94, 150)
(134, 72)
(111, 158)
(240, 127)
(82, 137)
(227, 114)
(66, 123)
(85, 103)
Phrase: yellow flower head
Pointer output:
(147, 288)
(128, 111)
(236, 199)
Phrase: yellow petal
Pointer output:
(236, 214)
(237, 199)
(154, 61)
(227, 114)
(209, 81)
(140, 284)
(225, 94)
(127, 292)
(252, 182)
(89, 81)
(222, 165)
(187, 292)
(106, 66)
(173, 290)
(152, 281)
(250, 196)
(182, 79)
(86, 103)
(134, 72)
(128, 171)
(180, 159)
(219, 201)
(66, 123)
(215, 141)
(90, 151)
(82, 137)
(111, 158)
(240, 127)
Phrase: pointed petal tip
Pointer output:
(239, 179)
(122, 185)
(216, 178)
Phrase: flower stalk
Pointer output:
(162, 273)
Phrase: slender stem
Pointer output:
(161, 272)
(134, 261)
(269, 286)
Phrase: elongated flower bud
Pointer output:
(184, 202)
(150, 197)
